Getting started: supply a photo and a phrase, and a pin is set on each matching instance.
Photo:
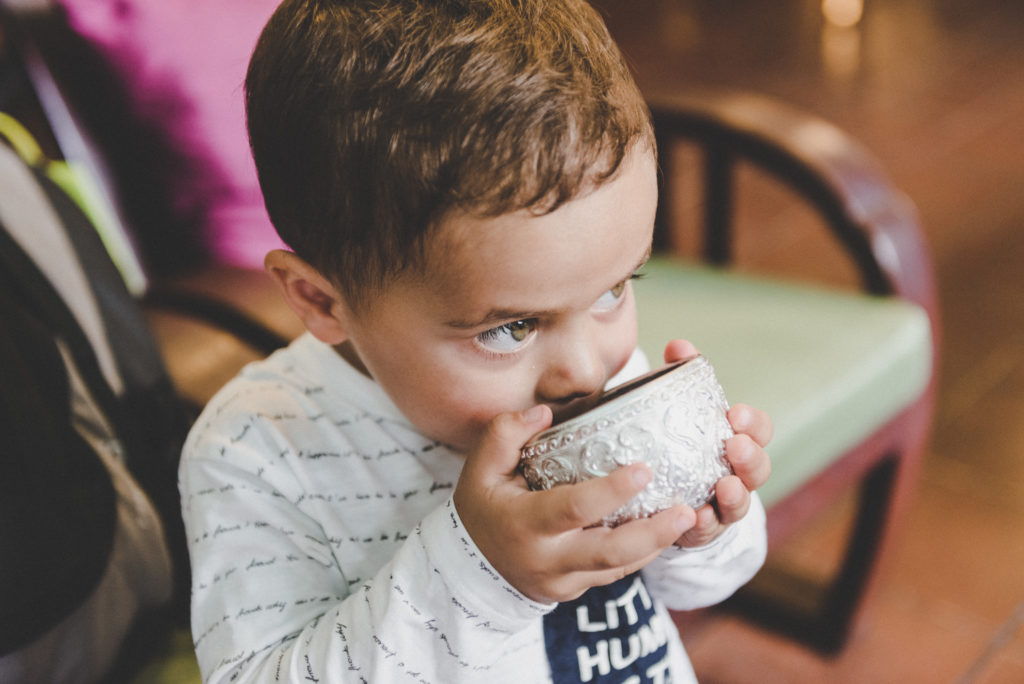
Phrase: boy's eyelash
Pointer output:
(495, 329)
(635, 276)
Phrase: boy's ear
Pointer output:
(311, 296)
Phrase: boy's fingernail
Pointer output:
(641, 476)
(683, 523)
(740, 418)
(532, 415)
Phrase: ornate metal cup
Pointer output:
(673, 419)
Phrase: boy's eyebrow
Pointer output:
(496, 316)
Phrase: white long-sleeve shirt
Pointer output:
(325, 547)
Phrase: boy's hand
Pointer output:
(540, 541)
(745, 452)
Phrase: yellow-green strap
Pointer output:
(81, 188)
(21, 141)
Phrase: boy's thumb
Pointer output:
(498, 450)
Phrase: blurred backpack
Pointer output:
(91, 425)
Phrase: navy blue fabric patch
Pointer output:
(609, 634)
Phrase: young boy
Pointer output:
(468, 187)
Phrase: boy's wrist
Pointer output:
(470, 577)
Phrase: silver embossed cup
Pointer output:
(672, 418)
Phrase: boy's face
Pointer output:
(513, 311)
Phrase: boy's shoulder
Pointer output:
(305, 393)
(290, 385)
(277, 379)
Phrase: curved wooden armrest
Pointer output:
(876, 223)
(218, 314)
(878, 227)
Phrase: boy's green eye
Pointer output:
(519, 330)
(611, 298)
(509, 337)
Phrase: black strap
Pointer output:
(151, 420)
(135, 352)
(148, 418)
(22, 278)
(57, 505)
(149, 415)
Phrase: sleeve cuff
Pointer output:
(471, 579)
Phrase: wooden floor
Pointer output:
(936, 89)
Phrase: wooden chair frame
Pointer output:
(879, 230)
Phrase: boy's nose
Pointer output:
(576, 371)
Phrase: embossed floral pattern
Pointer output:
(675, 423)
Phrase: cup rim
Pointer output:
(620, 395)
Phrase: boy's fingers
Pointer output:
(678, 350)
(705, 530)
(748, 460)
(733, 500)
(751, 421)
(572, 584)
(598, 578)
(570, 507)
(497, 453)
(629, 546)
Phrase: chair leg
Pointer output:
(718, 205)
(844, 597)
(822, 617)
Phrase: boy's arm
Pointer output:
(270, 602)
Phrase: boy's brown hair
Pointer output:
(370, 120)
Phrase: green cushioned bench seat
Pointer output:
(830, 367)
